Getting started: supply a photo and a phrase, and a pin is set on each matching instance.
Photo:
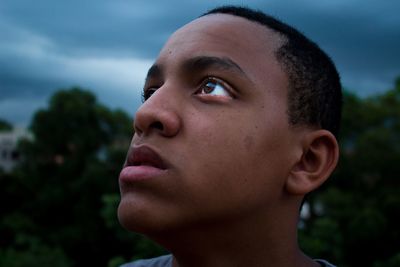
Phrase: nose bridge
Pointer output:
(164, 99)
(159, 113)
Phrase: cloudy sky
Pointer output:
(107, 46)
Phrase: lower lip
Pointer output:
(139, 173)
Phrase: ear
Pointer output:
(318, 160)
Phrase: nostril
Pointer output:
(153, 119)
(157, 125)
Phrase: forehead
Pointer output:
(228, 30)
(250, 45)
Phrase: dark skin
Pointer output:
(237, 170)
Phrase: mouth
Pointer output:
(142, 163)
(145, 156)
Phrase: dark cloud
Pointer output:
(116, 27)
(108, 45)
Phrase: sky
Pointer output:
(107, 46)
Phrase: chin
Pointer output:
(142, 220)
(132, 218)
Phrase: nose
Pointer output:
(158, 115)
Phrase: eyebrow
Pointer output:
(154, 72)
(200, 63)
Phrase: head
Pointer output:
(243, 111)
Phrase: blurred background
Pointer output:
(71, 74)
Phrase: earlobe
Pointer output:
(318, 160)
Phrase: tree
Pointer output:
(74, 158)
(358, 225)
(5, 126)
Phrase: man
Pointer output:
(238, 124)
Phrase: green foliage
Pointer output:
(29, 251)
(361, 202)
(322, 240)
(116, 261)
(391, 262)
(5, 126)
(74, 158)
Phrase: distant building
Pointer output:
(9, 155)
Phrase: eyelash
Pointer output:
(212, 79)
(147, 93)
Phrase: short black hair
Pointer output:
(314, 93)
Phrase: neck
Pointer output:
(269, 242)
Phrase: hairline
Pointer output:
(288, 36)
(281, 37)
(282, 40)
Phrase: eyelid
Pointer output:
(146, 92)
(149, 89)
(229, 89)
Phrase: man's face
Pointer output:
(216, 115)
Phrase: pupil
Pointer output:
(209, 87)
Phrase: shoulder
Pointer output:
(324, 263)
(163, 261)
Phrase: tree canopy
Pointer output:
(56, 203)
(5, 126)
(358, 223)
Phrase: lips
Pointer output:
(145, 156)
(142, 163)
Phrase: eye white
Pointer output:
(214, 88)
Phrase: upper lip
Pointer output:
(144, 155)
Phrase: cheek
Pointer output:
(237, 138)
(231, 161)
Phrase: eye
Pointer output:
(214, 87)
(147, 93)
